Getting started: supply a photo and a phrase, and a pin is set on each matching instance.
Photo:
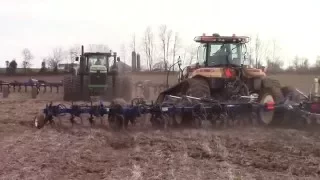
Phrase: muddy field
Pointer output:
(99, 153)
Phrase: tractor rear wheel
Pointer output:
(123, 88)
(72, 89)
(67, 88)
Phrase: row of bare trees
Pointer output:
(160, 48)
(56, 57)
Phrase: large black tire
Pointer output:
(123, 88)
(71, 86)
(67, 88)
(271, 91)
(116, 120)
(196, 87)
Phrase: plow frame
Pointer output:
(200, 109)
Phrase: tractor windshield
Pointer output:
(97, 60)
(224, 54)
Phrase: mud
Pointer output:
(81, 152)
(141, 153)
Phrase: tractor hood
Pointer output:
(96, 68)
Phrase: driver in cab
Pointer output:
(98, 62)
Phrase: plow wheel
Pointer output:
(39, 121)
(270, 95)
(160, 121)
(116, 120)
(34, 92)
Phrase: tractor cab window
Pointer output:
(236, 53)
(224, 53)
(97, 60)
(201, 54)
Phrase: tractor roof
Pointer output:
(216, 38)
(96, 54)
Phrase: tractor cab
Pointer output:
(96, 66)
(217, 51)
(218, 56)
(97, 75)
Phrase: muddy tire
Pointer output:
(71, 88)
(39, 121)
(117, 121)
(67, 88)
(123, 88)
(5, 92)
(196, 87)
(34, 92)
(270, 94)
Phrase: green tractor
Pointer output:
(97, 77)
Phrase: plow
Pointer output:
(35, 85)
(187, 111)
(219, 88)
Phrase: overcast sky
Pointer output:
(41, 25)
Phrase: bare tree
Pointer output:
(176, 46)
(123, 50)
(296, 62)
(257, 50)
(133, 42)
(168, 39)
(274, 63)
(260, 49)
(73, 52)
(190, 54)
(55, 59)
(163, 38)
(148, 44)
(250, 52)
(27, 57)
(317, 64)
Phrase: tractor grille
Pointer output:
(98, 78)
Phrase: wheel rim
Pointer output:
(267, 117)
(36, 122)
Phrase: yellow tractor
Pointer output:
(221, 74)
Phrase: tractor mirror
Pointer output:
(118, 59)
(77, 58)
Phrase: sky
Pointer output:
(42, 25)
